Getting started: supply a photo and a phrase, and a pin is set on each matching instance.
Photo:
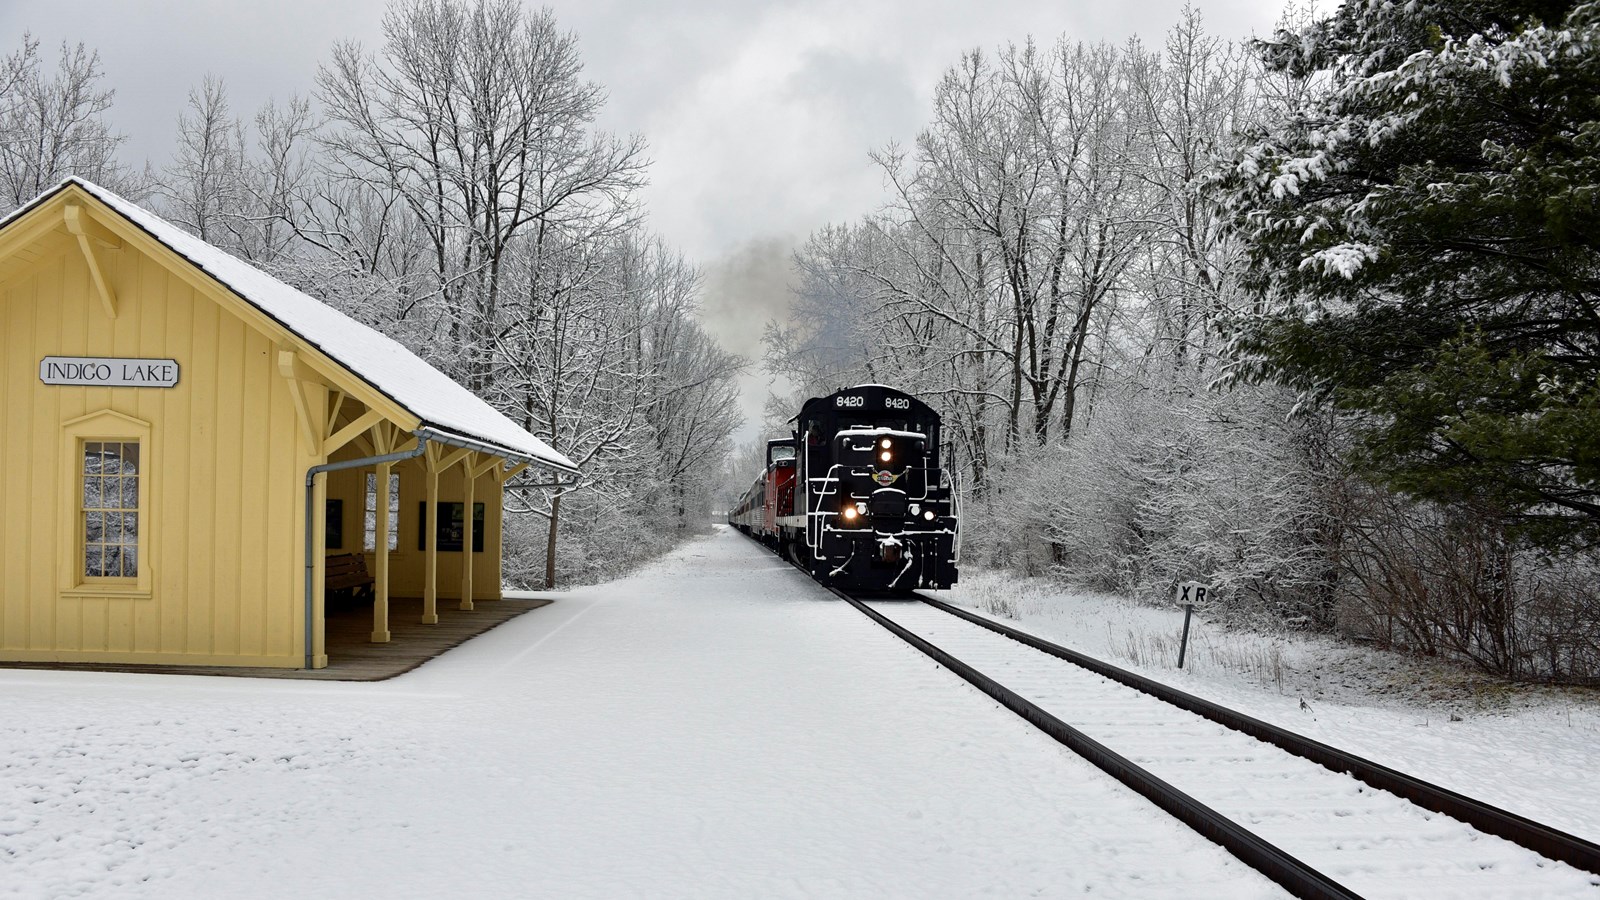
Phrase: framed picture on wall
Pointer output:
(451, 527)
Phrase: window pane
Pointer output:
(110, 501)
(394, 511)
(369, 539)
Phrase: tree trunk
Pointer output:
(550, 548)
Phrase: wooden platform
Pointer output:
(351, 654)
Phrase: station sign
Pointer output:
(100, 371)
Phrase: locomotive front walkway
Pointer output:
(351, 654)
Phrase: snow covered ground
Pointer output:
(1533, 751)
(715, 726)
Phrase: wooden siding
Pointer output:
(225, 517)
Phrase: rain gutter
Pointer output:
(465, 443)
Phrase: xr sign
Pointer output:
(1190, 595)
(1193, 593)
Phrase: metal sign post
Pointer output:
(1190, 595)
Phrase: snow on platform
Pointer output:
(716, 726)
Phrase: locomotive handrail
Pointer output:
(929, 473)
(803, 502)
(931, 476)
(955, 511)
(816, 542)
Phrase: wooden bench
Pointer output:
(346, 573)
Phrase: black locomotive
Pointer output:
(857, 496)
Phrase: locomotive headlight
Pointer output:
(928, 515)
(850, 513)
(885, 444)
(885, 456)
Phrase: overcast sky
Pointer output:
(759, 113)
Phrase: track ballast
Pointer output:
(1340, 826)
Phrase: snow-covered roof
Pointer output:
(447, 409)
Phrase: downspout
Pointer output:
(311, 477)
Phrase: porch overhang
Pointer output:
(450, 438)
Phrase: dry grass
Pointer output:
(1004, 597)
(1258, 658)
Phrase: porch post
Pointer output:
(430, 574)
(380, 542)
(319, 540)
(466, 531)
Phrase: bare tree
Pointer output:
(53, 124)
(615, 367)
(476, 119)
(277, 181)
(1190, 103)
(205, 183)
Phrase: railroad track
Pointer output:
(1320, 822)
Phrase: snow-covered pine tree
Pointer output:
(1423, 237)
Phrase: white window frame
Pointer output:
(104, 426)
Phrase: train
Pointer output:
(857, 495)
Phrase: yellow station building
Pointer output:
(188, 440)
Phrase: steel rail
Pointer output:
(1535, 836)
(1542, 839)
(1288, 872)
